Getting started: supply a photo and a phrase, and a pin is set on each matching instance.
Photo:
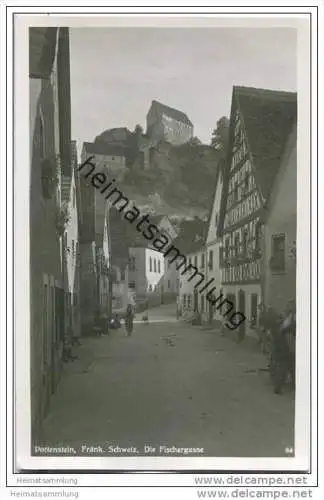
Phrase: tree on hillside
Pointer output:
(219, 139)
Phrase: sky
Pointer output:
(117, 72)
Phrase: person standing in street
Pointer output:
(129, 319)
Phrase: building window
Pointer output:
(169, 284)
(216, 220)
(150, 264)
(246, 182)
(72, 248)
(257, 236)
(132, 262)
(221, 257)
(159, 267)
(210, 262)
(237, 244)
(227, 251)
(254, 309)
(244, 243)
(154, 265)
(277, 261)
(77, 254)
(132, 285)
(235, 193)
(202, 261)
(150, 288)
(184, 299)
(196, 261)
(189, 300)
(202, 303)
(73, 198)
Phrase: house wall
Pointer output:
(137, 276)
(146, 280)
(280, 287)
(102, 270)
(122, 294)
(170, 277)
(87, 195)
(72, 259)
(153, 277)
(50, 129)
(213, 244)
(88, 286)
(45, 265)
(249, 291)
(94, 202)
(176, 131)
(114, 166)
(187, 285)
(72, 234)
(161, 126)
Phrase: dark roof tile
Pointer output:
(268, 118)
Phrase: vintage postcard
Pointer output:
(162, 189)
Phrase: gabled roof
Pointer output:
(171, 112)
(268, 117)
(156, 219)
(101, 148)
(42, 45)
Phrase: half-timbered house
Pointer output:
(260, 122)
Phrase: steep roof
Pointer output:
(171, 112)
(290, 145)
(101, 148)
(268, 117)
(156, 219)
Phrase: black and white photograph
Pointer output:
(168, 187)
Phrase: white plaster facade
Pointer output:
(146, 270)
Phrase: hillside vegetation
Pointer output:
(180, 180)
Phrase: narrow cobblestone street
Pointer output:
(170, 384)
